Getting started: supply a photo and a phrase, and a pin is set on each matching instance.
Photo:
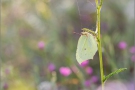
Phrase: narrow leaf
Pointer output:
(113, 73)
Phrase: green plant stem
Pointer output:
(99, 44)
(101, 64)
(96, 2)
(100, 59)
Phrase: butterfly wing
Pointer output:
(87, 47)
(80, 45)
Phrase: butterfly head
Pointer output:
(85, 33)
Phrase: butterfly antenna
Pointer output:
(76, 33)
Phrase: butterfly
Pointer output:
(87, 47)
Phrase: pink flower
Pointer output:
(132, 49)
(130, 85)
(87, 83)
(114, 85)
(51, 67)
(85, 63)
(133, 58)
(65, 71)
(41, 45)
(94, 79)
(122, 45)
(5, 86)
(89, 70)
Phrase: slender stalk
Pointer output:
(99, 42)
(100, 49)
(96, 2)
(101, 65)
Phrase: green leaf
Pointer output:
(113, 73)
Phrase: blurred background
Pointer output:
(38, 45)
